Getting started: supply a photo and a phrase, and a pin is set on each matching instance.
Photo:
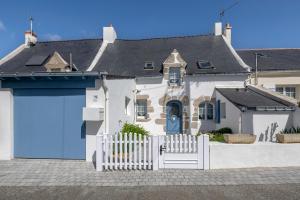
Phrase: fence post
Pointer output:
(99, 152)
(155, 152)
(206, 158)
(200, 151)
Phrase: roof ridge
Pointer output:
(69, 40)
(167, 37)
(260, 49)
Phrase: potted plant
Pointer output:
(291, 135)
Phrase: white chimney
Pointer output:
(218, 28)
(30, 38)
(109, 34)
(227, 32)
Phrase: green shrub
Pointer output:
(222, 131)
(217, 137)
(134, 128)
(293, 130)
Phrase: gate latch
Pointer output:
(162, 148)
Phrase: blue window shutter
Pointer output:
(218, 113)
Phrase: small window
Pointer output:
(223, 110)
(127, 107)
(141, 108)
(174, 75)
(149, 65)
(286, 90)
(204, 64)
(202, 111)
(206, 111)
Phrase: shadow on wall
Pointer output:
(269, 133)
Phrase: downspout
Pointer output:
(106, 105)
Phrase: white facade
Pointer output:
(6, 125)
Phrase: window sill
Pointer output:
(143, 119)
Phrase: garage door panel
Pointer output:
(74, 132)
(41, 116)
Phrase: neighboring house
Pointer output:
(277, 69)
(57, 96)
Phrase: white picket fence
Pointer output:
(132, 151)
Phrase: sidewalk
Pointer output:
(80, 173)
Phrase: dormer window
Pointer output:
(149, 65)
(204, 64)
(174, 76)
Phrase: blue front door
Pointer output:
(174, 117)
(48, 123)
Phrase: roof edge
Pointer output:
(12, 54)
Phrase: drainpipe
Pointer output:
(106, 105)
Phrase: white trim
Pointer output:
(12, 54)
(237, 57)
(98, 55)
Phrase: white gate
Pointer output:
(184, 151)
(132, 151)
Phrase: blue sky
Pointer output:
(256, 23)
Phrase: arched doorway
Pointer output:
(174, 117)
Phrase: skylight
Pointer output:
(37, 60)
(204, 64)
(149, 65)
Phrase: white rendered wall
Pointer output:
(267, 124)
(224, 156)
(95, 97)
(233, 115)
(156, 88)
(6, 124)
(195, 87)
(118, 89)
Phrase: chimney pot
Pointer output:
(30, 38)
(227, 32)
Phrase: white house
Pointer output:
(57, 96)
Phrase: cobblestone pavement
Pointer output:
(21, 172)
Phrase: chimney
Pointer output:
(227, 32)
(30, 36)
(218, 28)
(30, 39)
(109, 34)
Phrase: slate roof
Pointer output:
(83, 53)
(250, 99)
(128, 57)
(274, 59)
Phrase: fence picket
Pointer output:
(125, 151)
(140, 151)
(144, 151)
(134, 151)
(130, 151)
(171, 143)
(116, 151)
(149, 153)
(180, 143)
(185, 143)
(106, 153)
(190, 145)
(121, 151)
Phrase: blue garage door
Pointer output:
(48, 123)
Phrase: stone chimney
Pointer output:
(109, 34)
(227, 32)
(218, 28)
(30, 39)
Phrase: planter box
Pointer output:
(239, 138)
(288, 138)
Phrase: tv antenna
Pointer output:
(31, 22)
(222, 12)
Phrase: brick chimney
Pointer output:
(218, 28)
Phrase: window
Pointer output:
(141, 108)
(223, 110)
(174, 75)
(204, 64)
(206, 111)
(127, 109)
(286, 90)
(149, 65)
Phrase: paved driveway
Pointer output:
(21, 172)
